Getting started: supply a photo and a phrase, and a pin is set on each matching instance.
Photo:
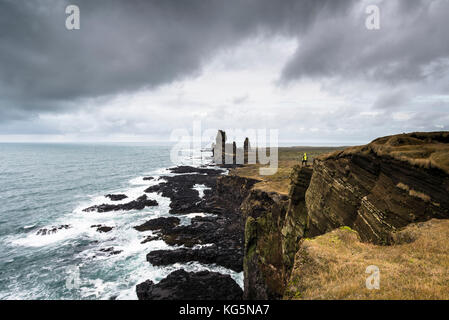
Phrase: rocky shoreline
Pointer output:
(368, 190)
(216, 238)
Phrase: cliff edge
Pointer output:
(375, 190)
(378, 188)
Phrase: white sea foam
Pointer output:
(131, 261)
(186, 219)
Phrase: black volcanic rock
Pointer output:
(220, 236)
(224, 254)
(148, 178)
(54, 229)
(110, 251)
(188, 169)
(185, 199)
(182, 285)
(138, 204)
(203, 230)
(150, 238)
(101, 228)
(116, 197)
(158, 223)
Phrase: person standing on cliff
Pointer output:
(304, 159)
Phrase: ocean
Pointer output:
(48, 185)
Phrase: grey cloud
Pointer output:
(392, 100)
(411, 46)
(125, 46)
(128, 45)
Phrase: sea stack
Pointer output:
(245, 150)
(219, 147)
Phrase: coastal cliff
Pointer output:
(378, 204)
(381, 187)
(374, 190)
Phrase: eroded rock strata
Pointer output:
(373, 194)
(264, 271)
(375, 190)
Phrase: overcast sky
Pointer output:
(137, 70)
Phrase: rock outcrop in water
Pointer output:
(102, 228)
(219, 147)
(53, 229)
(375, 189)
(228, 154)
(116, 197)
(159, 224)
(182, 285)
(138, 204)
(216, 238)
(180, 189)
(246, 148)
(222, 254)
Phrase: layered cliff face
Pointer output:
(378, 188)
(297, 220)
(375, 190)
(264, 270)
(274, 225)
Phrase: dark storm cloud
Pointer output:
(412, 45)
(127, 45)
(124, 46)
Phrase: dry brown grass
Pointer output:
(414, 193)
(288, 157)
(332, 266)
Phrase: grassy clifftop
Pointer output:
(384, 191)
(421, 149)
(288, 158)
(332, 266)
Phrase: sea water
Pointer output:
(48, 185)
